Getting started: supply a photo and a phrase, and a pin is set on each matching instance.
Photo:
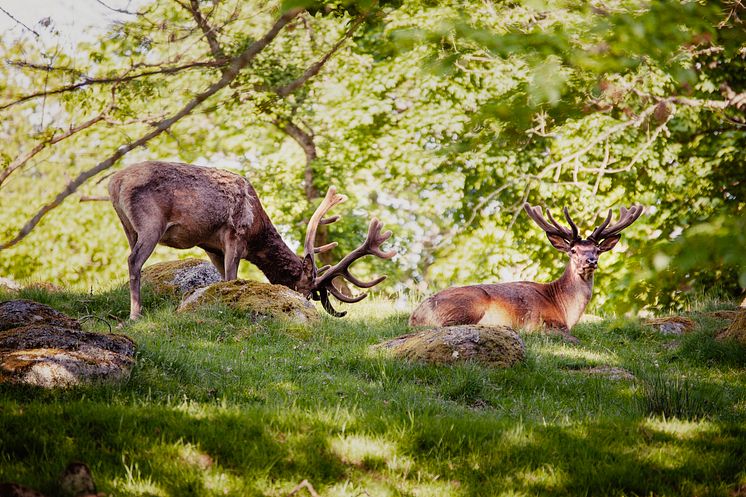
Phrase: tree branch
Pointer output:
(117, 79)
(229, 75)
(21, 160)
(314, 69)
(209, 32)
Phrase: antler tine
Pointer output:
(600, 227)
(626, 218)
(551, 229)
(575, 232)
(331, 199)
(324, 298)
(371, 246)
(345, 298)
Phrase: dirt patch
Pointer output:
(608, 372)
(498, 346)
(259, 300)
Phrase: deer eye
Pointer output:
(572, 250)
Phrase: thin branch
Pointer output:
(304, 484)
(94, 198)
(18, 21)
(314, 69)
(21, 160)
(229, 75)
(117, 79)
(209, 32)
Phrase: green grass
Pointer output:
(217, 405)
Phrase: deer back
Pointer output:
(197, 205)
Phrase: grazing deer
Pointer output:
(524, 304)
(183, 206)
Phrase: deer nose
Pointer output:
(593, 260)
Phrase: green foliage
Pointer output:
(440, 118)
(217, 405)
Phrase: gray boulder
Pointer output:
(177, 278)
(53, 356)
(14, 313)
(498, 346)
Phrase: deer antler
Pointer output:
(372, 246)
(535, 213)
(626, 217)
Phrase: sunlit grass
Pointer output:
(217, 405)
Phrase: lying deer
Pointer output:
(183, 206)
(524, 304)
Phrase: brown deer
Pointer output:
(183, 206)
(524, 304)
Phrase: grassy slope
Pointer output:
(218, 406)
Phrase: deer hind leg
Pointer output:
(144, 246)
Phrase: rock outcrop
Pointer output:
(257, 300)
(498, 346)
(177, 278)
(14, 313)
(43, 347)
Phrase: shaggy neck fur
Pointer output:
(274, 258)
(571, 293)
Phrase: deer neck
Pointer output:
(273, 257)
(571, 294)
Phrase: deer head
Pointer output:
(583, 252)
(316, 283)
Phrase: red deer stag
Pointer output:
(183, 206)
(524, 304)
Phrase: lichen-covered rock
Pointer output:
(177, 278)
(737, 328)
(259, 300)
(671, 325)
(608, 372)
(15, 313)
(491, 345)
(53, 356)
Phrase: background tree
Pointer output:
(439, 118)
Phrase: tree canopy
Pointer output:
(441, 118)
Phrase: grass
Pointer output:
(220, 406)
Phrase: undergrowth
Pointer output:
(220, 405)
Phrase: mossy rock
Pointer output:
(497, 346)
(259, 300)
(52, 356)
(737, 328)
(21, 312)
(177, 278)
(671, 325)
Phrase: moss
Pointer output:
(671, 325)
(491, 345)
(254, 298)
(737, 329)
(176, 278)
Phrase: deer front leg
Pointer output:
(562, 330)
(144, 246)
(232, 259)
(218, 260)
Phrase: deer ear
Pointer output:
(608, 243)
(559, 243)
(308, 264)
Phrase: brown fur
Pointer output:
(521, 305)
(183, 206)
